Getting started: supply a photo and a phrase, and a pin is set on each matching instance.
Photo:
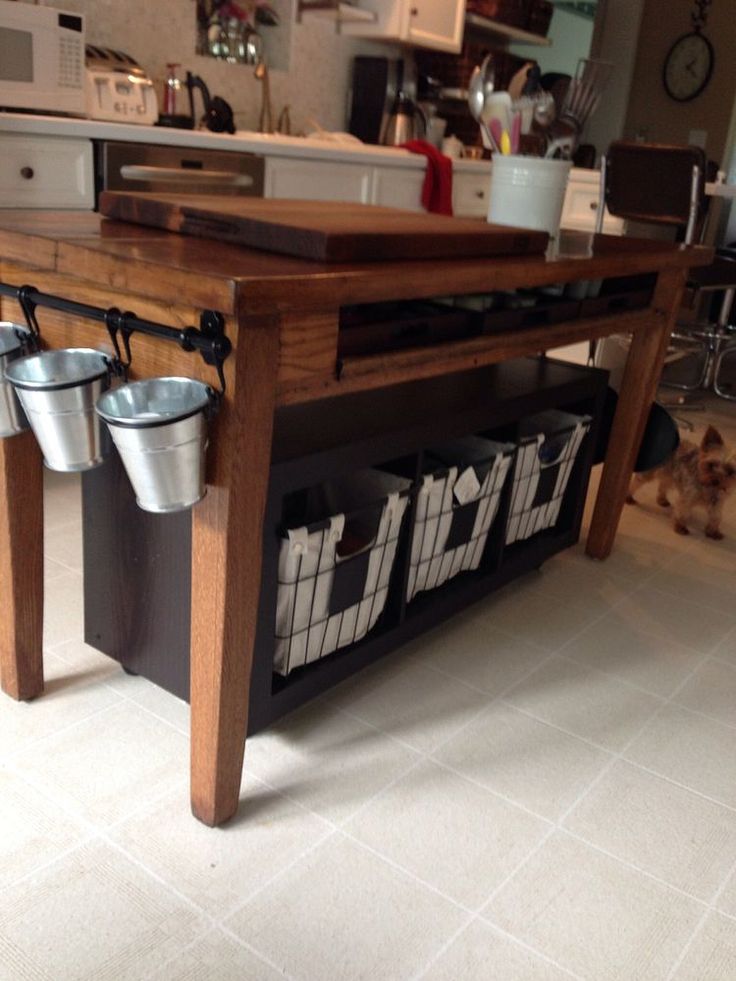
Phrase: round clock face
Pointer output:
(688, 66)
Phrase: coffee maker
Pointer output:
(376, 84)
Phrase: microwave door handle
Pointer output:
(176, 175)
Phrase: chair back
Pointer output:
(655, 184)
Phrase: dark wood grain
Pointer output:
(327, 231)
(21, 567)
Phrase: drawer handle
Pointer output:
(593, 205)
(26, 172)
(414, 12)
(480, 194)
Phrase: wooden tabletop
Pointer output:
(229, 277)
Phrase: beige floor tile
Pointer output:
(481, 952)
(712, 956)
(160, 703)
(585, 702)
(531, 763)
(712, 691)
(623, 650)
(69, 696)
(217, 957)
(593, 915)
(726, 650)
(63, 544)
(477, 654)
(218, 869)
(672, 833)
(421, 707)
(52, 570)
(32, 829)
(62, 499)
(726, 902)
(342, 912)
(87, 661)
(633, 558)
(710, 581)
(690, 749)
(326, 760)
(525, 610)
(63, 614)
(567, 577)
(92, 916)
(107, 766)
(483, 837)
(675, 618)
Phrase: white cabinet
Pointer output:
(580, 211)
(398, 187)
(470, 194)
(317, 180)
(46, 172)
(434, 24)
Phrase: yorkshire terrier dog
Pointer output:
(703, 476)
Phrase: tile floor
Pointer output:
(543, 789)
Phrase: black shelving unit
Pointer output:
(137, 565)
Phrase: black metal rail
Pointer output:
(209, 338)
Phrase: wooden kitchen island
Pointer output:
(281, 315)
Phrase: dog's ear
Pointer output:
(712, 439)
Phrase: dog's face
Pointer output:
(716, 467)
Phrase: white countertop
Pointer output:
(244, 141)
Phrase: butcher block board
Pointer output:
(326, 231)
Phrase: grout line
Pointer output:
(676, 783)
(13, 754)
(257, 953)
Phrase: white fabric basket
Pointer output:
(548, 447)
(446, 541)
(312, 575)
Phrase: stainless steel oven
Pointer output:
(177, 170)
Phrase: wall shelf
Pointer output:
(493, 28)
(342, 13)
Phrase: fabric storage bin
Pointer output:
(455, 506)
(334, 572)
(548, 447)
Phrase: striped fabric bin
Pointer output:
(548, 447)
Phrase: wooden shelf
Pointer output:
(494, 28)
(343, 13)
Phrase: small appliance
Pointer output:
(41, 59)
(118, 90)
(376, 84)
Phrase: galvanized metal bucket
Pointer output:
(58, 391)
(159, 427)
(12, 417)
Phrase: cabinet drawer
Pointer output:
(46, 172)
(581, 210)
(470, 195)
(316, 180)
(397, 187)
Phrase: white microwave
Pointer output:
(41, 59)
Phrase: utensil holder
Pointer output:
(159, 427)
(528, 192)
(58, 391)
(13, 339)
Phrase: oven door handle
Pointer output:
(178, 175)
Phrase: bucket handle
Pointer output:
(115, 321)
(31, 343)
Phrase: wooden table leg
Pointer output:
(638, 391)
(21, 566)
(227, 536)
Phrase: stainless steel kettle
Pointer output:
(405, 122)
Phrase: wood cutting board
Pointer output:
(326, 231)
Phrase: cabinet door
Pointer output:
(316, 180)
(436, 23)
(398, 187)
(580, 211)
(470, 194)
(46, 172)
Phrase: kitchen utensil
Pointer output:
(505, 143)
(406, 122)
(519, 81)
(497, 105)
(515, 132)
(476, 99)
(585, 90)
(497, 132)
(218, 116)
(326, 231)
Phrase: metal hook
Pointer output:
(115, 321)
(28, 307)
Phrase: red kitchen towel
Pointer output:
(437, 187)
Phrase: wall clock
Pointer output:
(689, 64)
